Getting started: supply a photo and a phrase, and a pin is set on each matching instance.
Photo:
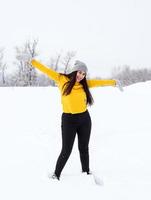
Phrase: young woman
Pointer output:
(75, 97)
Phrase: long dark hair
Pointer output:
(67, 87)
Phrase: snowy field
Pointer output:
(120, 145)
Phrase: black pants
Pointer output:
(72, 124)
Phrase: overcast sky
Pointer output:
(104, 33)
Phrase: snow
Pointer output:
(30, 142)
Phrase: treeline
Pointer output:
(26, 75)
(128, 76)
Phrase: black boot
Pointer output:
(88, 172)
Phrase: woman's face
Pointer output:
(80, 76)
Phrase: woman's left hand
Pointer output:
(119, 85)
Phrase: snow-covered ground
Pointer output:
(120, 145)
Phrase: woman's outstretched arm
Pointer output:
(49, 72)
(96, 83)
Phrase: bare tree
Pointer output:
(67, 59)
(54, 64)
(57, 60)
(26, 74)
(2, 67)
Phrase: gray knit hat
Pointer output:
(79, 66)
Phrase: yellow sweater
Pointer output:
(75, 102)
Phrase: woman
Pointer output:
(75, 97)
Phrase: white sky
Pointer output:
(105, 33)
